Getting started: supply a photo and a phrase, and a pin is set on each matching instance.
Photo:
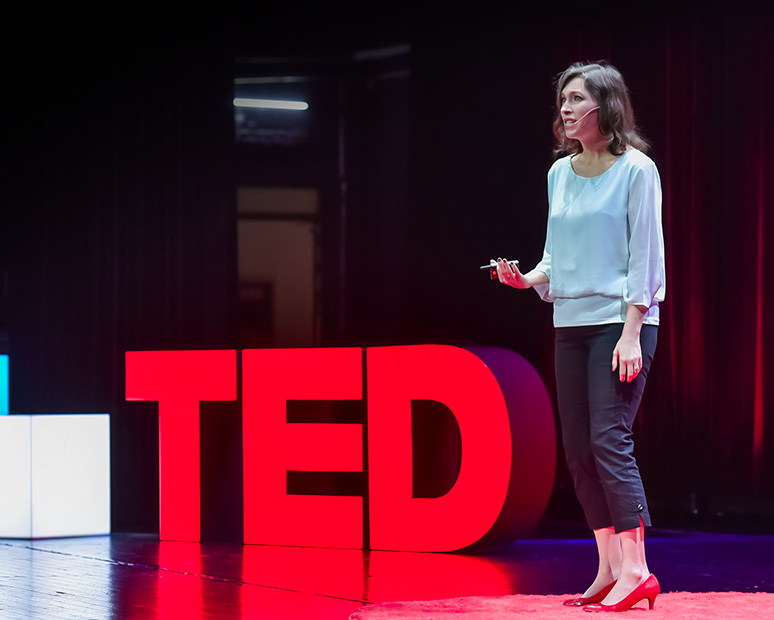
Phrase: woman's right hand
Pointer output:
(509, 274)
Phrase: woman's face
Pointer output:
(579, 111)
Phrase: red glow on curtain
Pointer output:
(758, 424)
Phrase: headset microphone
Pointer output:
(586, 114)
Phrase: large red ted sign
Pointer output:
(499, 402)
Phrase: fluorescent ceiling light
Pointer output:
(272, 104)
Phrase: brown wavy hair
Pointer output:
(615, 117)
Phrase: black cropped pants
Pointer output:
(597, 413)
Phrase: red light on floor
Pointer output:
(410, 576)
(336, 571)
(179, 585)
(179, 381)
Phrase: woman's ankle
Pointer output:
(604, 578)
(634, 573)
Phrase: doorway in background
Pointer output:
(277, 250)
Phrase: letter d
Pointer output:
(460, 380)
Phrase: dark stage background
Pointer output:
(119, 211)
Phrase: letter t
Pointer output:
(179, 380)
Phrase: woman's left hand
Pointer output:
(627, 358)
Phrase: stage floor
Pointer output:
(131, 576)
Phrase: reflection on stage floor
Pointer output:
(133, 576)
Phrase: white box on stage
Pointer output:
(54, 475)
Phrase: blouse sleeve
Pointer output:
(544, 290)
(646, 278)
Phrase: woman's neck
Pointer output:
(595, 151)
(593, 161)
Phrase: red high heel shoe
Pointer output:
(648, 589)
(594, 598)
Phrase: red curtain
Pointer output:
(713, 379)
(710, 407)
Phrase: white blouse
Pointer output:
(605, 242)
